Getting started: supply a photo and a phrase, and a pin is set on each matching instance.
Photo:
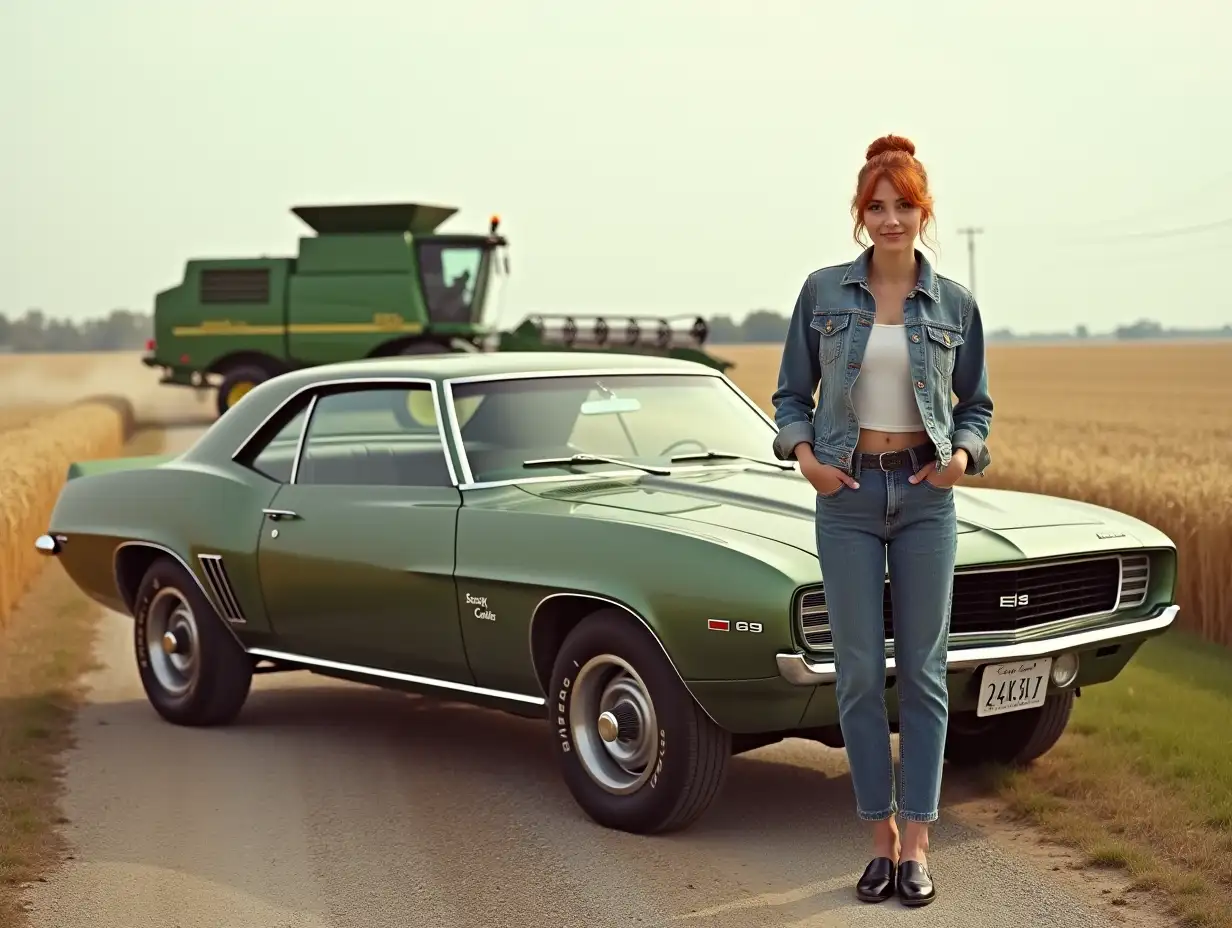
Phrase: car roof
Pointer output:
(240, 423)
(489, 364)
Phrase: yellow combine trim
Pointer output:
(302, 328)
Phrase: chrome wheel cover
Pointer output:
(172, 641)
(613, 724)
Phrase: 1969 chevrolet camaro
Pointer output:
(605, 542)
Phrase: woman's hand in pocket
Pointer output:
(825, 478)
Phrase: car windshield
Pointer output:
(513, 429)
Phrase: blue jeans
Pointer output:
(912, 530)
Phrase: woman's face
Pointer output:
(892, 222)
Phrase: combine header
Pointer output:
(375, 280)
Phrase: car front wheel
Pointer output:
(1014, 739)
(637, 752)
(192, 668)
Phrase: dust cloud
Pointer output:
(36, 383)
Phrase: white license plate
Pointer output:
(1013, 686)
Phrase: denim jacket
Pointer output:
(825, 343)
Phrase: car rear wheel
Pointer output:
(637, 752)
(1015, 739)
(193, 670)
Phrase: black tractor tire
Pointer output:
(244, 375)
(1012, 740)
(206, 680)
(681, 755)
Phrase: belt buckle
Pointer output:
(881, 462)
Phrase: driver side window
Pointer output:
(374, 436)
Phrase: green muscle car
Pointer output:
(602, 542)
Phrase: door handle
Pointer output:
(279, 514)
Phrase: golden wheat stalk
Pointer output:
(34, 459)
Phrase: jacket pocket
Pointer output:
(831, 326)
(943, 345)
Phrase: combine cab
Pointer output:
(375, 280)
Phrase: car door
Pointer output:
(356, 554)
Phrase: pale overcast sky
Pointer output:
(645, 156)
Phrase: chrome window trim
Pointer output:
(395, 675)
(385, 380)
(303, 434)
(469, 482)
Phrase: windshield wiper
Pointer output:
(730, 455)
(594, 459)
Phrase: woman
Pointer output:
(887, 340)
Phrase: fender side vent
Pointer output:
(220, 585)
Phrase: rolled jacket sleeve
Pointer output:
(799, 374)
(973, 412)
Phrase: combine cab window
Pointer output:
(451, 275)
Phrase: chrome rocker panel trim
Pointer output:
(394, 675)
(797, 668)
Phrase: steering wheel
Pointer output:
(683, 441)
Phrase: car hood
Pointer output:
(781, 506)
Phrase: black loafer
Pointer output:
(915, 885)
(877, 883)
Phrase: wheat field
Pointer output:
(56, 409)
(1141, 428)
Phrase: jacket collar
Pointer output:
(857, 273)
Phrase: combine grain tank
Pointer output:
(374, 280)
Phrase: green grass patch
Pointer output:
(1142, 779)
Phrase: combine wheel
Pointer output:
(192, 668)
(637, 752)
(237, 382)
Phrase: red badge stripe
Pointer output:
(718, 625)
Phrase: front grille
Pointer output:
(1006, 602)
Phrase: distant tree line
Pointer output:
(764, 325)
(124, 330)
(36, 332)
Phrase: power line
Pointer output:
(971, 232)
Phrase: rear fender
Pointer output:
(131, 561)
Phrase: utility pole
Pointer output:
(971, 233)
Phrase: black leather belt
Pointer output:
(895, 460)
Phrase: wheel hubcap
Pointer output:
(172, 641)
(613, 723)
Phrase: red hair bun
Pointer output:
(889, 143)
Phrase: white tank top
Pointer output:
(883, 396)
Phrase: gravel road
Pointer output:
(332, 804)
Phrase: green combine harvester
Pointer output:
(376, 280)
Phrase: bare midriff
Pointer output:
(875, 442)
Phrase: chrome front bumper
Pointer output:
(802, 670)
